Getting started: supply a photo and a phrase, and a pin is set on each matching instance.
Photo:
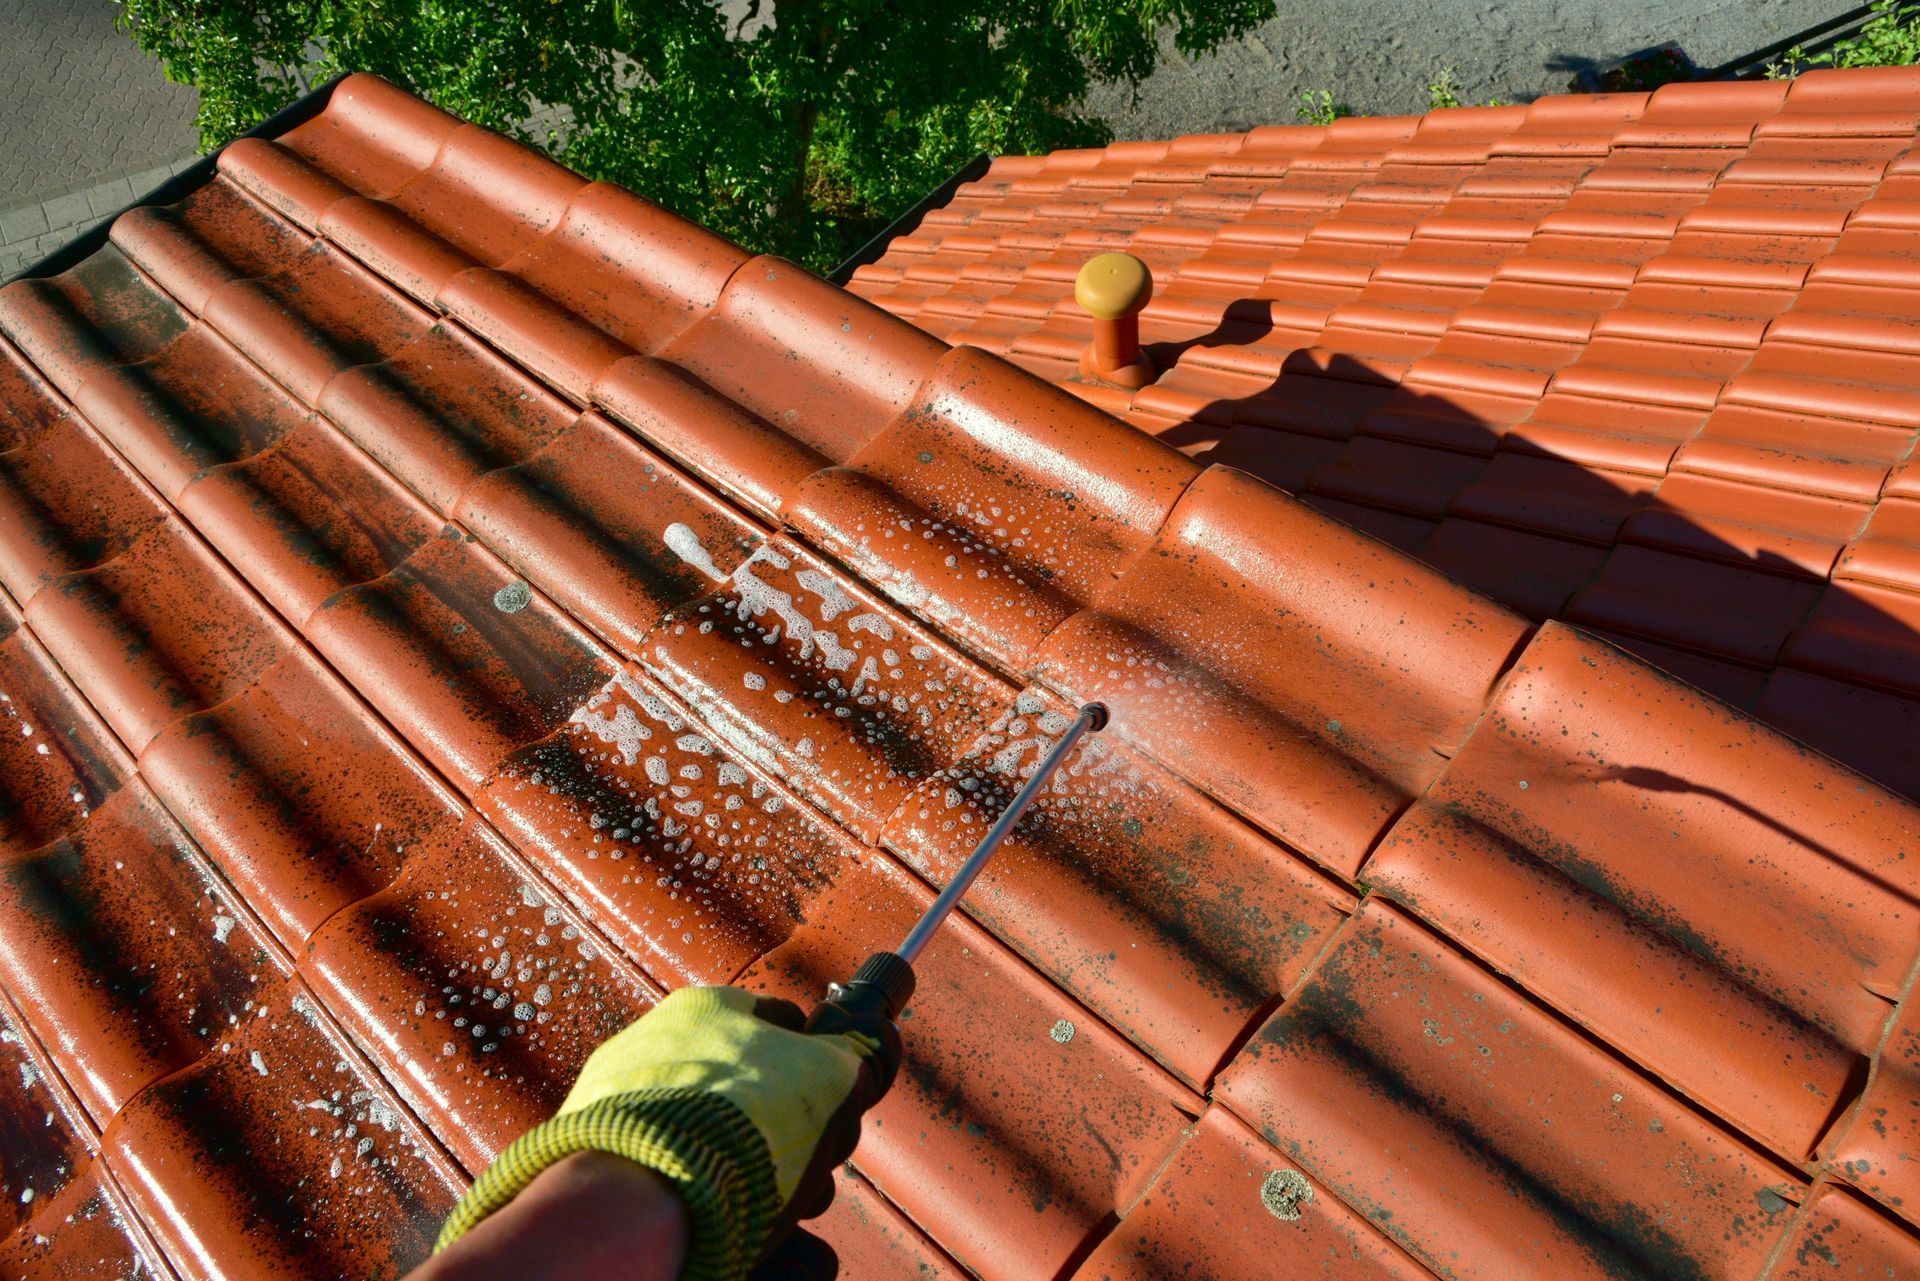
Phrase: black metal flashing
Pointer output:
(906, 222)
(1815, 39)
(182, 184)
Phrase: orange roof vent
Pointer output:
(1112, 288)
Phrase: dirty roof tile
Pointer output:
(1307, 699)
(103, 311)
(1008, 1150)
(125, 950)
(60, 761)
(156, 633)
(754, 461)
(797, 667)
(212, 237)
(48, 1141)
(282, 1154)
(84, 1230)
(301, 796)
(688, 853)
(442, 412)
(461, 654)
(1403, 1078)
(319, 316)
(1262, 1216)
(1873, 1151)
(489, 991)
(1169, 918)
(314, 515)
(598, 517)
(937, 505)
(1840, 1233)
(875, 1242)
(1785, 928)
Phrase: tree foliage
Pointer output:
(798, 127)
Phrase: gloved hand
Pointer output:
(722, 1094)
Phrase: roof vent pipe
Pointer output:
(1112, 288)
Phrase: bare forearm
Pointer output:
(589, 1216)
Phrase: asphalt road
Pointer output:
(1377, 56)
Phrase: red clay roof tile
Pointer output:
(130, 958)
(84, 1230)
(1165, 915)
(489, 991)
(281, 1153)
(1009, 1149)
(49, 1142)
(303, 798)
(1313, 700)
(1841, 1231)
(1874, 1150)
(1403, 1077)
(1261, 1213)
(519, 602)
(1730, 904)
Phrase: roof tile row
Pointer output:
(1685, 300)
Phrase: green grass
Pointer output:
(1319, 107)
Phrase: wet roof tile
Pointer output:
(127, 954)
(448, 604)
(1011, 1149)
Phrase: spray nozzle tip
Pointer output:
(1097, 717)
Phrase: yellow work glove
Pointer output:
(719, 1092)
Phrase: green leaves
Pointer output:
(796, 126)
(1890, 38)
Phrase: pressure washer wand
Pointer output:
(884, 983)
(1092, 718)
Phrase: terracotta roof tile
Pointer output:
(990, 1143)
(119, 1017)
(233, 1159)
(84, 1230)
(448, 604)
(1262, 1214)
(1322, 745)
(49, 1142)
(492, 993)
(1840, 1230)
(1873, 1149)
(1405, 1078)
(1792, 876)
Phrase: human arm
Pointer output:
(724, 1098)
(587, 1215)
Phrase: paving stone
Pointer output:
(110, 197)
(22, 224)
(67, 210)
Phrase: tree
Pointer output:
(798, 128)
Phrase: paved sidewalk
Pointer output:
(88, 121)
(31, 232)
